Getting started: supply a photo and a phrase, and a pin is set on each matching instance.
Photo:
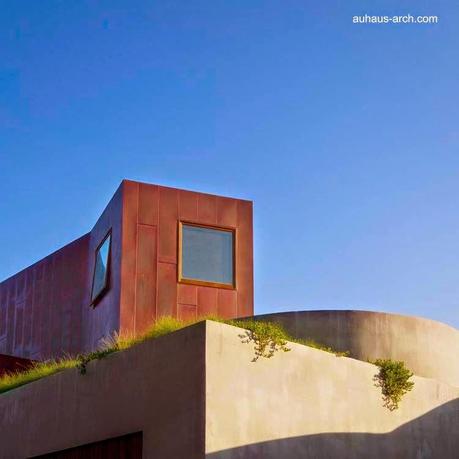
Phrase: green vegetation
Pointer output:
(311, 343)
(270, 337)
(39, 370)
(393, 378)
(117, 343)
(267, 338)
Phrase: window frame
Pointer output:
(106, 287)
(186, 280)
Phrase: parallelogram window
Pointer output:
(101, 269)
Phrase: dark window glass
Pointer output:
(101, 268)
(207, 255)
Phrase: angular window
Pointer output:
(206, 255)
(101, 269)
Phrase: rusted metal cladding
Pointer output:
(40, 307)
(46, 310)
(9, 364)
(99, 321)
(149, 279)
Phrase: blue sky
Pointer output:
(345, 136)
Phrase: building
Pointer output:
(154, 251)
(197, 393)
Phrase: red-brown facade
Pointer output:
(45, 310)
(11, 364)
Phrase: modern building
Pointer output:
(197, 393)
(154, 251)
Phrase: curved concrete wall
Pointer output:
(310, 404)
(428, 348)
(197, 394)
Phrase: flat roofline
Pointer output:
(41, 260)
(186, 189)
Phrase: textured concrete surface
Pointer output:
(156, 387)
(196, 393)
(307, 403)
(429, 348)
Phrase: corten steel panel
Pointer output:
(129, 251)
(188, 205)
(28, 310)
(207, 209)
(226, 212)
(167, 290)
(207, 301)
(244, 259)
(56, 329)
(148, 204)
(186, 312)
(103, 319)
(227, 303)
(145, 305)
(168, 217)
(37, 302)
(187, 294)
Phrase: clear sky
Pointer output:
(345, 136)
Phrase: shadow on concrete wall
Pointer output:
(434, 435)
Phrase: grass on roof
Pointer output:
(39, 370)
(267, 337)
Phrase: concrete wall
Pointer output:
(196, 393)
(307, 403)
(426, 346)
(156, 387)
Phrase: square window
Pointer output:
(101, 269)
(206, 255)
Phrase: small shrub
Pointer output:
(84, 359)
(268, 337)
(393, 379)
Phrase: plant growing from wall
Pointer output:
(268, 337)
(393, 379)
(84, 359)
